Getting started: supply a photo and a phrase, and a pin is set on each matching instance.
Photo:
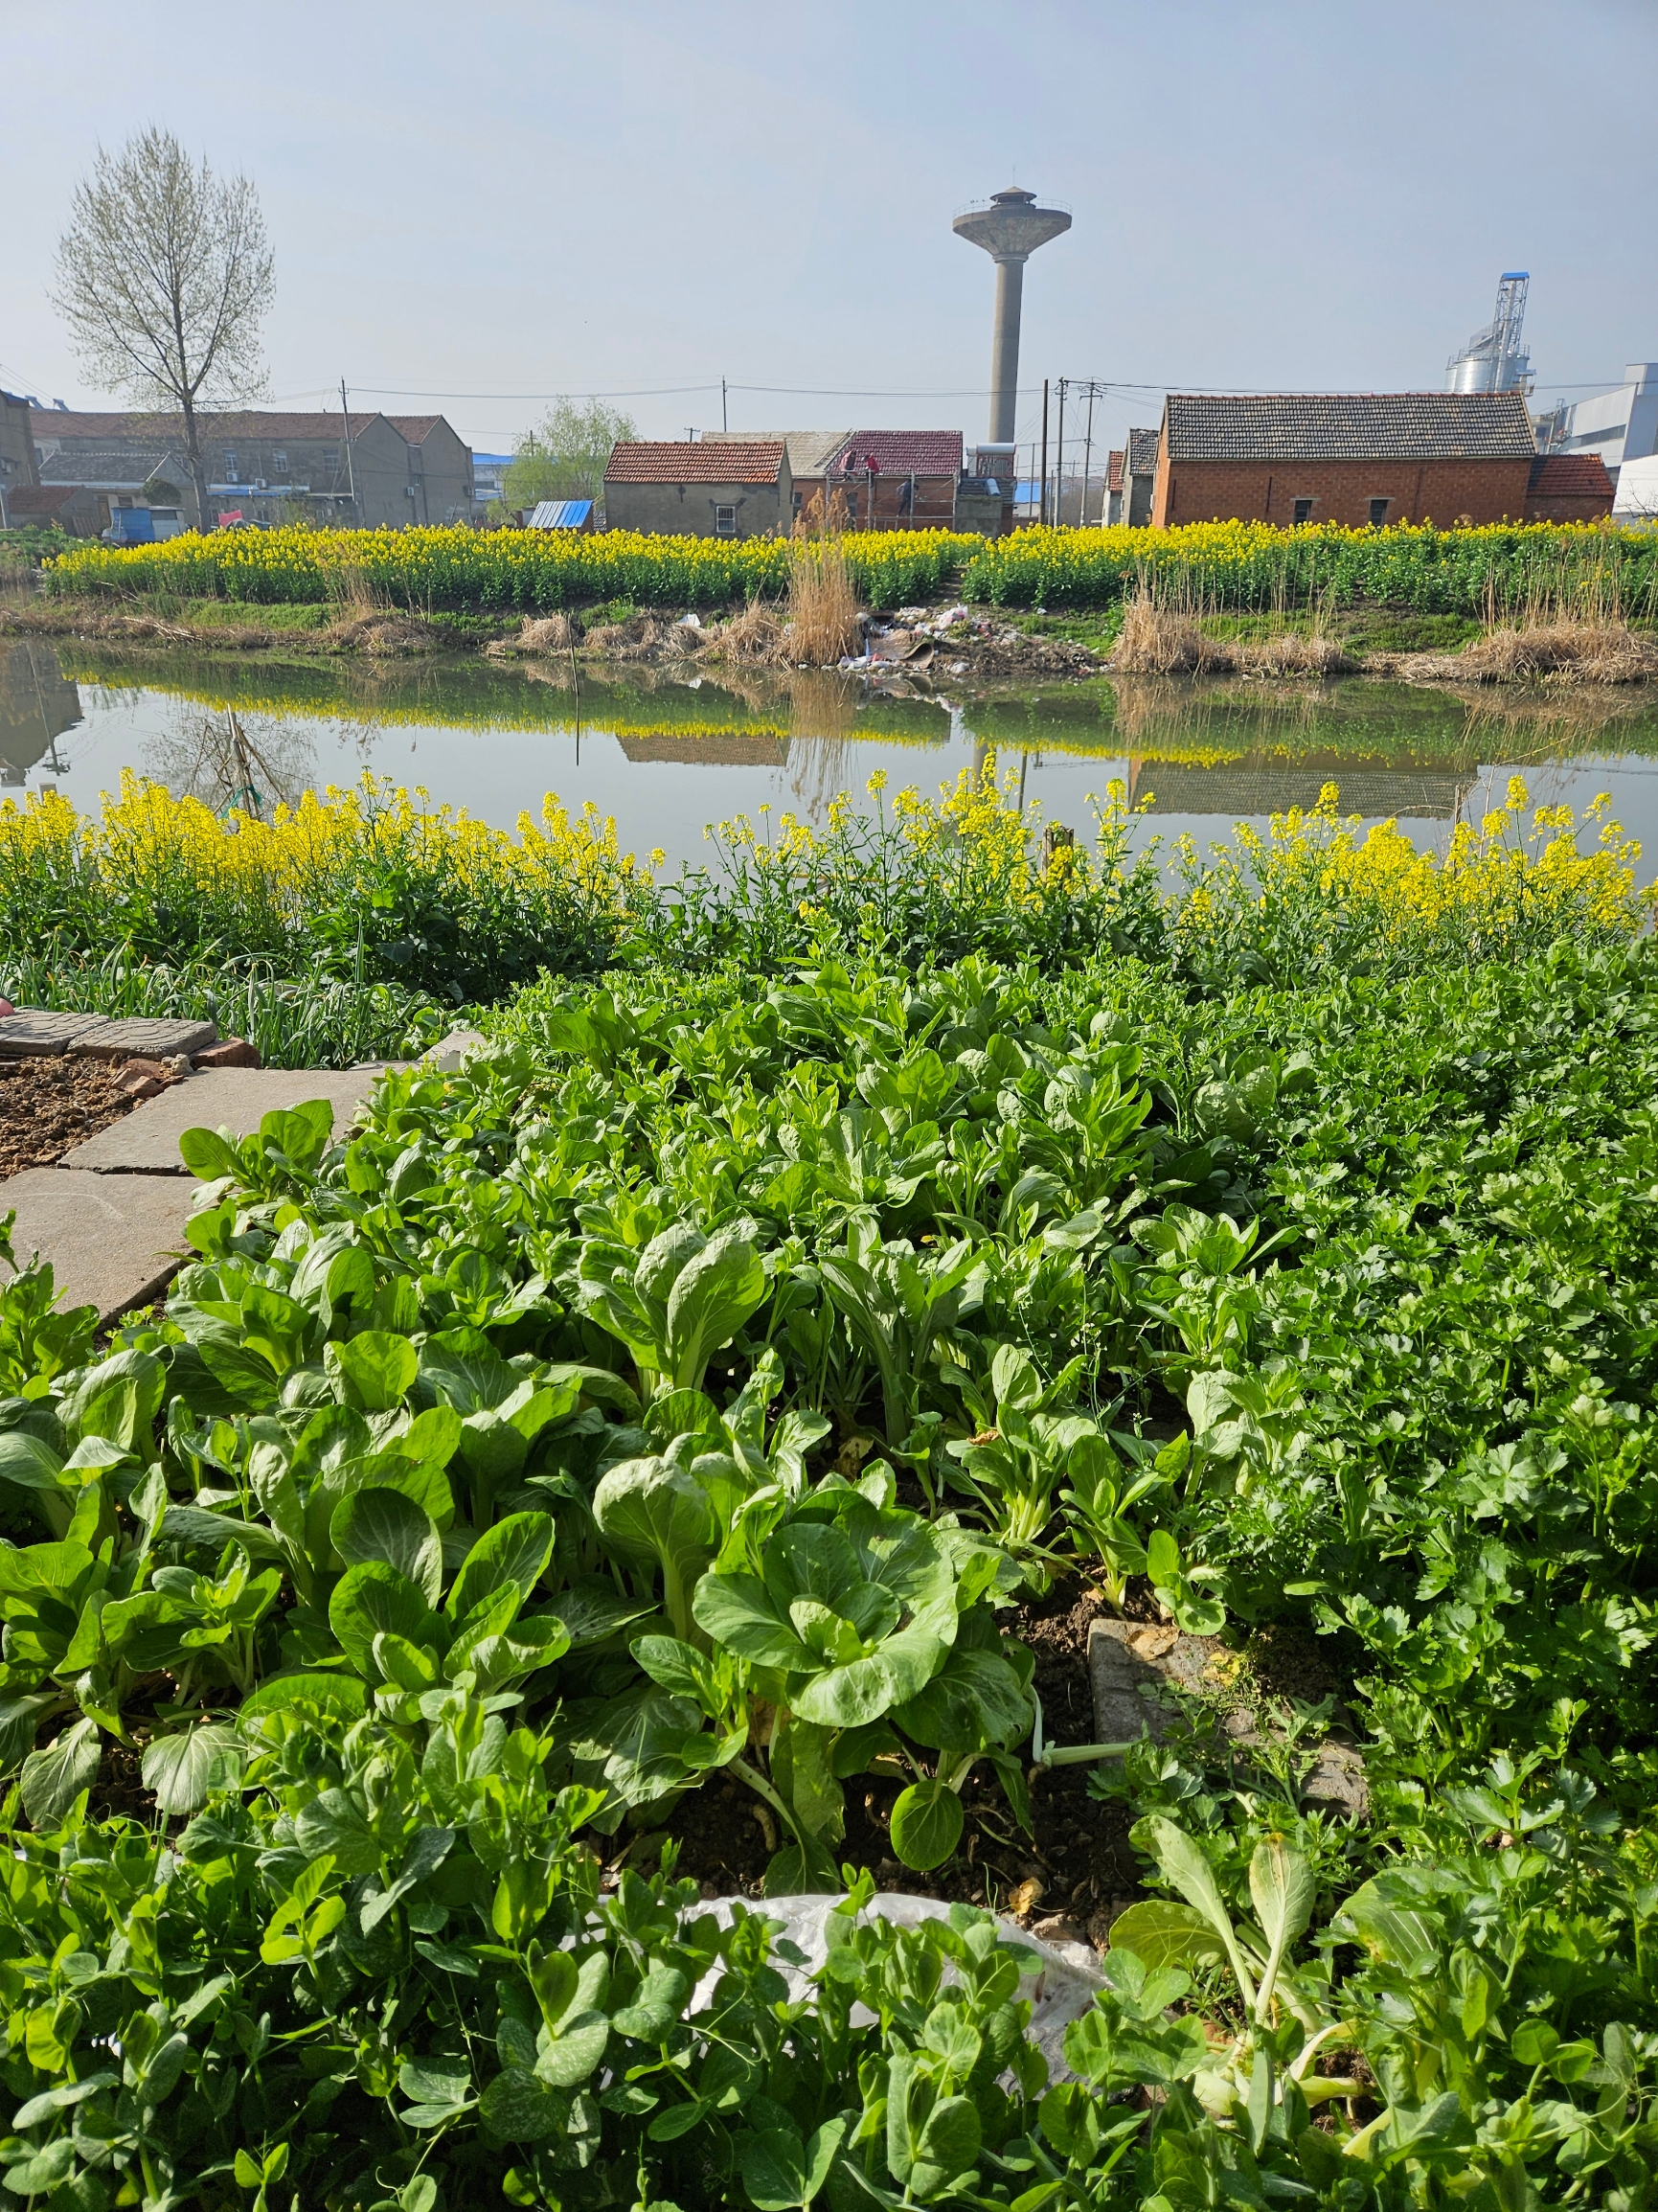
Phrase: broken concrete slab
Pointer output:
(114, 1242)
(141, 1039)
(447, 1054)
(1129, 1661)
(33, 1032)
(233, 1097)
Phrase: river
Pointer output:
(667, 753)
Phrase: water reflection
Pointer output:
(666, 750)
(38, 703)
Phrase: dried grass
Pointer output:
(754, 637)
(1292, 653)
(542, 633)
(1161, 637)
(821, 606)
(1555, 649)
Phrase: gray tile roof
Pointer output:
(1349, 426)
(1143, 452)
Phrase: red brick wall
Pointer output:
(1340, 491)
(1541, 507)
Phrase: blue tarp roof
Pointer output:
(561, 514)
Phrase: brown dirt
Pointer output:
(1078, 1867)
(48, 1105)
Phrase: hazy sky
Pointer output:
(475, 208)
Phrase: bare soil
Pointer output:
(48, 1105)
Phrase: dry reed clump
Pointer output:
(541, 634)
(1292, 653)
(1160, 638)
(822, 608)
(1555, 649)
(755, 637)
(380, 632)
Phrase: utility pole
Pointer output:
(351, 465)
(1087, 455)
(724, 421)
(1042, 508)
(1059, 462)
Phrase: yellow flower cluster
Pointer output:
(1496, 883)
(145, 846)
(455, 567)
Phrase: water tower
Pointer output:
(1010, 226)
(1492, 360)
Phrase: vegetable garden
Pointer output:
(692, 1399)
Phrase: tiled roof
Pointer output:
(903, 452)
(809, 451)
(1143, 452)
(415, 429)
(1570, 476)
(674, 461)
(1114, 470)
(246, 423)
(1349, 426)
(40, 499)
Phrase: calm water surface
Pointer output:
(667, 754)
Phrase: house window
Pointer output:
(1303, 511)
(1378, 513)
(724, 521)
(230, 474)
(280, 463)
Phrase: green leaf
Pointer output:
(927, 1824)
(378, 1523)
(1282, 1888)
(53, 1779)
(300, 1131)
(1166, 1934)
(659, 2002)
(341, 1697)
(1184, 1866)
(373, 1372)
(714, 1294)
(514, 1551)
(371, 1599)
(519, 2108)
(334, 1821)
(210, 1154)
(180, 1769)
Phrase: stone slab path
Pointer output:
(114, 1242)
(146, 1143)
(33, 1034)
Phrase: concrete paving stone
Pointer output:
(233, 1097)
(141, 1039)
(447, 1054)
(33, 1034)
(114, 1242)
(1127, 1657)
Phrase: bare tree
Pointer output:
(164, 275)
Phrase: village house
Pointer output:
(703, 488)
(898, 479)
(1114, 461)
(377, 471)
(1347, 457)
(1140, 478)
(1568, 488)
(17, 464)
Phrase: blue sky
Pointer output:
(472, 208)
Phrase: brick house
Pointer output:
(1114, 461)
(1568, 488)
(385, 470)
(1140, 478)
(898, 479)
(1348, 457)
(725, 488)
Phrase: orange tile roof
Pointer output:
(668, 461)
(1570, 476)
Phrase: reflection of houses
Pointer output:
(37, 703)
(1261, 785)
(764, 749)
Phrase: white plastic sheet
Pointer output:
(1059, 1987)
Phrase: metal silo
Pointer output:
(1493, 360)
